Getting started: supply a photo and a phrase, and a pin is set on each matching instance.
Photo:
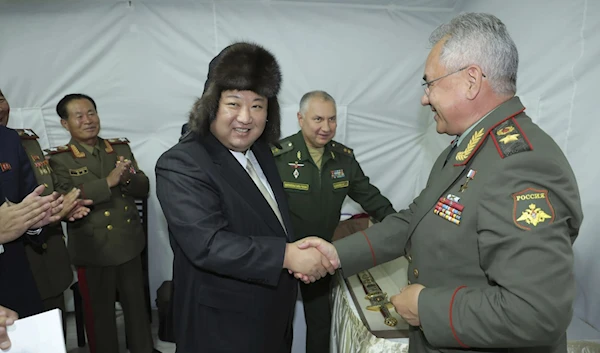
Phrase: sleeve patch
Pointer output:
(510, 139)
(531, 208)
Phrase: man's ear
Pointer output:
(300, 120)
(475, 77)
(64, 124)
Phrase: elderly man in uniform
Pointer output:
(318, 173)
(47, 253)
(105, 246)
(489, 240)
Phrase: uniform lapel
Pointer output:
(109, 160)
(461, 158)
(87, 160)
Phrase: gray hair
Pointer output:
(326, 97)
(480, 39)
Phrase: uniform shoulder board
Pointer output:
(57, 149)
(27, 134)
(510, 139)
(338, 147)
(118, 141)
(282, 147)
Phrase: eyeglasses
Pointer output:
(427, 84)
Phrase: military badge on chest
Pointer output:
(43, 167)
(296, 166)
(470, 176)
(337, 174)
(449, 208)
(5, 167)
(532, 208)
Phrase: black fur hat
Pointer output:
(240, 66)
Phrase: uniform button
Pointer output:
(128, 220)
(106, 213)
(44, 246)
(416, 273)
(126, 208)
(109, 227)
(409, 258)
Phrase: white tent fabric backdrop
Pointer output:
(145, 62)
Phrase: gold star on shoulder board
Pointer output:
(510, 138)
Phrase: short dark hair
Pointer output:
(61, 107)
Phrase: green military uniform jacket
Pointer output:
(498, 265)
(47, 255)
(315, 197)
(112, 233)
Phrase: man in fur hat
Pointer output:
(228, 216)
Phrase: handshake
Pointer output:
(310, 259)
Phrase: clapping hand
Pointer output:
(74, 207)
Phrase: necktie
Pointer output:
(96, 153)
(264, 191)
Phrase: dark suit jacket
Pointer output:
(231, 293)
(18, 292)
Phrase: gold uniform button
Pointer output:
(109, 227)
(44, 246)
(409, 258)
(128, 220)
(106, 213)
(416, 273)
(126, 208)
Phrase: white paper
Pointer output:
(38, 333)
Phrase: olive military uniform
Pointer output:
(315, 197)
(490, 237)
(47, 253)
(106, 245)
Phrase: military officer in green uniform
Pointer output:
(105, 246)
(489, 239)
(318, 173)
(47, 254)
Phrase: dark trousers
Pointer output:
(98, 286)
(57, 302)
(317, 310)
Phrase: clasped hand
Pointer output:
(120, 174)
(310, 259)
